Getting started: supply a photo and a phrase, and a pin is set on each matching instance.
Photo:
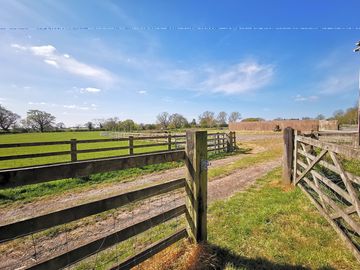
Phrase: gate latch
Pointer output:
(204, 164)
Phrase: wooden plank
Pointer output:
(35, 224)
(350, 210)
(295, 156)
(196, 178)
(33, 175)
(342, 235)
(313, 174)
(354, 178)
(103, 140)
(150, 145)
(346, 151)
(311, 166)
(79, 253)
(333, 186)
(151, 251)
(48, 154)
(12, 145)
(353, 224)
(158, 137)
(349, 187)
(288, 156)
(93, 150)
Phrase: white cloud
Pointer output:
(243, 77)
(19, 47)
(307, 98)
(66, 106)
(51, 62)
(90, 90)
(80, 108)
(51, 56)
(142, 92)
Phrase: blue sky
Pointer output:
(135, 59)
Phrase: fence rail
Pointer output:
(194, 185)
(318, 169)
(218, 142)
(350, 138)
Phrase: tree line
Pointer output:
(40, 121)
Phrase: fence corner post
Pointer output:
(196, 184)
(288, 158)
(73, 150)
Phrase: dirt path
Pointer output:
(20, 253)
(239, 180)
(45, 205)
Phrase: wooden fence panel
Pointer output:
(336, 195)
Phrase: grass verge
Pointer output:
(266, 227)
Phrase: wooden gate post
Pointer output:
(196, 184)
(229, 142)
(288, 155)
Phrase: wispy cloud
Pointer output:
(50, 55)
(142, 92)
(84, 107)
(306, 98)
(90, 90)
(243, 77)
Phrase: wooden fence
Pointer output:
(194, 209)
(350, 138)
(319, 169)
(217, 142)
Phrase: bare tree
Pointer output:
(60, 125)
(163, 119)
(178, 121)
(111, 123)
(207, 119)
(221, 119)
(234, 116)
(40, 120)
(7, 118)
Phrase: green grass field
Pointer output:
(63, 136)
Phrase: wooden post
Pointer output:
(131, 145)
(217, 142)
(229, 142)
(288, 155)
(234, 139)
(169, 142)
(73, 149)
(196, 184)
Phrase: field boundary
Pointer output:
(194, 185)
(217, 142)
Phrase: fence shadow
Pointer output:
(221, 258)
